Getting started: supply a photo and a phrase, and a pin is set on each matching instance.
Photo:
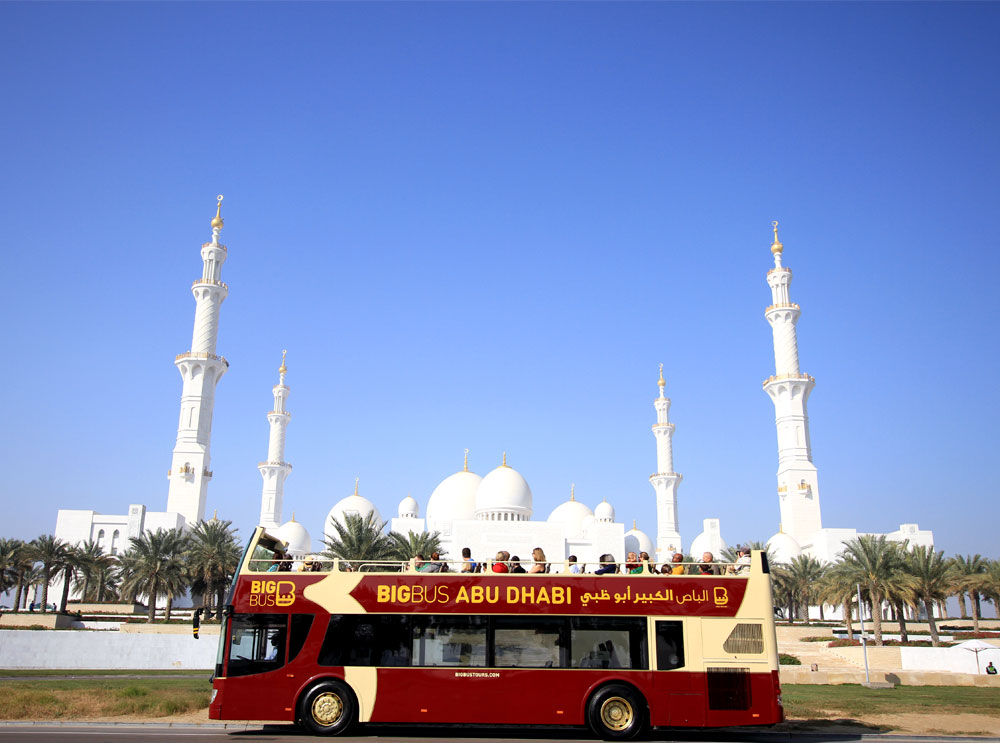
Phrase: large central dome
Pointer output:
(454, 498)
(503, 495)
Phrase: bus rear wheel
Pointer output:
(328, 708)
(616, 712)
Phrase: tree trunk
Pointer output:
(961, 605)
(46, 576)
(931, 624)
(901, 618)
(170, 605)
(86, 586)
(20, 590)
(218, 604)
(821, 612)
(847, 620)
(67, 576)
(151, 611)
(877, 617)
(975, 611)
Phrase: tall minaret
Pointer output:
(665, 481)
(789, 388)
(200, 371)
(275, 469)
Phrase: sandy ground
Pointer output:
(914, 723)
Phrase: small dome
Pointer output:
(604, 512)
(637, 541)
(454, 498)
(408, 508)
(354, 505)
(503, 495)
(783, 547)
(296, 536)
(571, 514)
(710, 540)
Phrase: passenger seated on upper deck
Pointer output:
(573, 566)
(676, 567)
(608, 565)
(644, 562)
(707, 565)
(515, 565)
(500, 565)
(631, 562)
(540, 566)
(468, 564)
(434, 566)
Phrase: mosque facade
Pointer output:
(494, 511)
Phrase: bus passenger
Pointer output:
(631, 563)
(707, 565)
(515, 565)
(608, 565)
(644, 565)
(499, 564)
(468, 564)
(677, 567)
(573, 566)
(540, 566)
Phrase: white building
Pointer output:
(801, 529)
(189, 474)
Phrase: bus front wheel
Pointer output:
(616, 712)
(328, 708)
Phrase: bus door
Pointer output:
(680, 699)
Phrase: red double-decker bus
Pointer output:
(383, 643)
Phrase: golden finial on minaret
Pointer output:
(465, 467)
(572, 491)
(776, 246)
(215, 515)
(293, 517)
(217, 222)
(504, 463)
(661, 382)
(282, 369)
(356, 485)
(633, 524)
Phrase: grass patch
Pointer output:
(855, 701)
(83, 699)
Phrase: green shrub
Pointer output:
(784, 659)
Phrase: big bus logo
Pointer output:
(272, 593)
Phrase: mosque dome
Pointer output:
(710, 540)
(604, 512)
(503, 495)
(571, 514)
(586, 522)
(783, 547)
(353, 505)
(296, 536)
(454, 498)
(408, 508)
(637, 541)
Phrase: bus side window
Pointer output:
(301, 623)
(608, 642)
(669, 645)
(449, 640)
(366, 640)
(257, 643)
(531, 642)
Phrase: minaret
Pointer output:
(200, 370)
(789, 388)
(665, 481)
(275, 469)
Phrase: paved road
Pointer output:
(238, 734)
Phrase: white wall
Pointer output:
(82, 649)
(956, 660)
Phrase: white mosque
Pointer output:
(491, 512)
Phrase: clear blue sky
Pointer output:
(483, 226)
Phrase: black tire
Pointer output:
(616, 712)
(328, 708)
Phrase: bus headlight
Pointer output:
(216, 691)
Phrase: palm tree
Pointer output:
(782, 589)
(872, 561)
(32, 581)
(899, 589)
(93, 564)
(408, 547)
(729, 554)
(8, 571)
(990, 585)
(51, 552)
(213, 555)
(73, 561)
(967, 573)
(21, 563)
(156, 567)
(359, 539)
(837, 587)
(802, 575)
(931, 582)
